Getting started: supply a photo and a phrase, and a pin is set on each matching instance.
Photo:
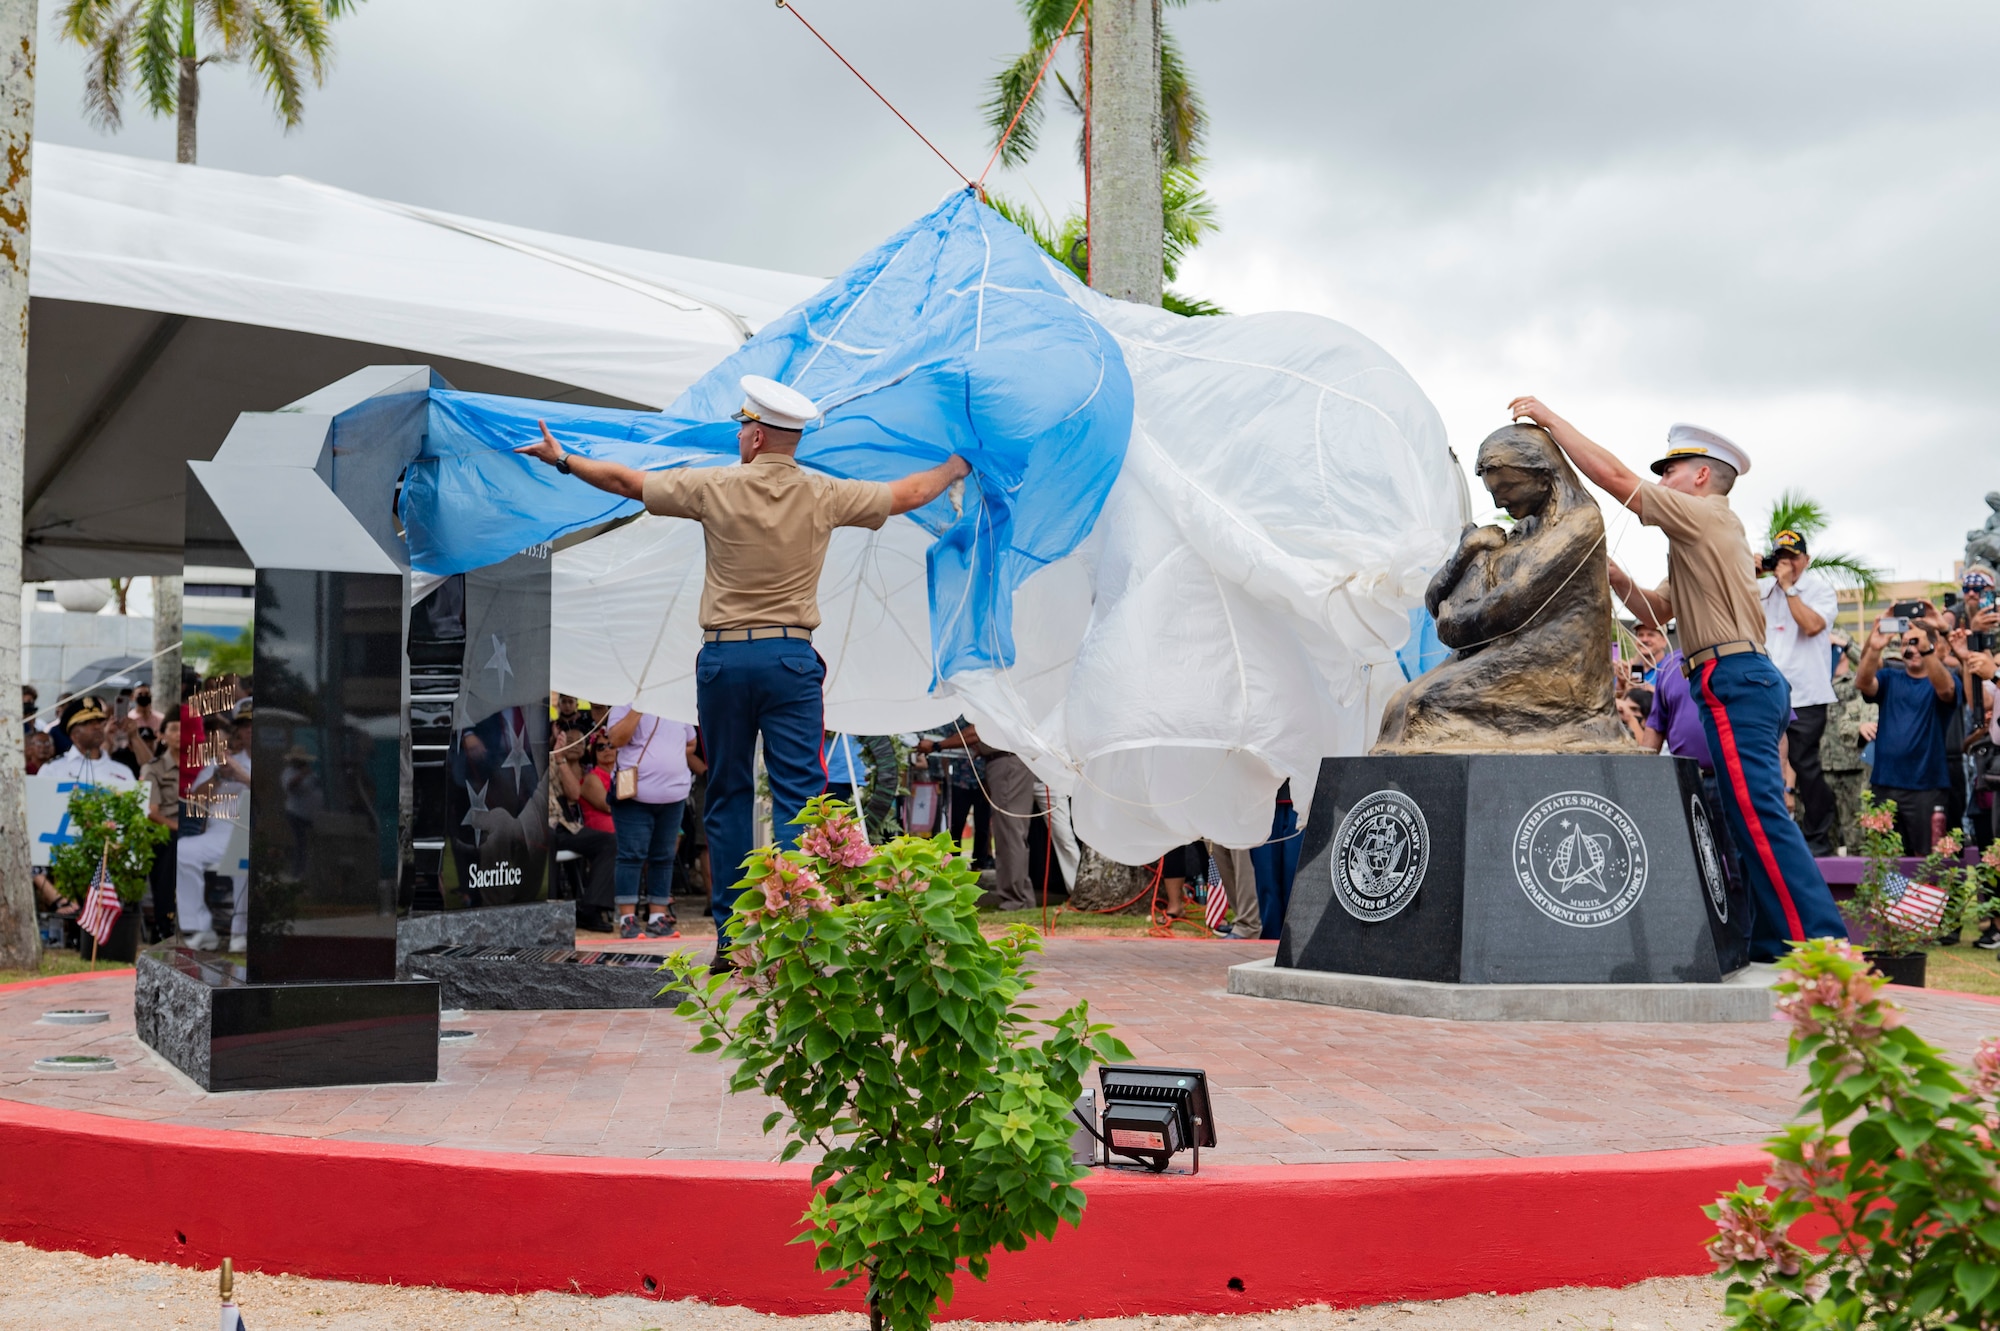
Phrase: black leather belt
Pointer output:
(754, 635)
(1707, 654)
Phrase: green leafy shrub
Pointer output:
(101, 816)
(867, 1003)
(1893, 1157)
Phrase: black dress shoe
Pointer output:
(720, 964)
(594, 920)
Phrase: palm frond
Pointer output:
(1188, 214)
(1067, 243)
(82, 21)
(1010, 91)
(1850, 570)
(1193, 306)
(1046, 18)
(302, 24)
(104, 77)
(227, 23)
(1795, 510)
(278, 63)
(1183, 119)
(156, 49)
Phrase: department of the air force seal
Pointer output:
(1580, 859)
(1710, 857)
(1380, 854)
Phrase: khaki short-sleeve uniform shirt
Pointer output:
(1711, 575)
(766, 525)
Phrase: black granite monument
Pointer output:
(304, 497)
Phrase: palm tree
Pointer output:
(1794, 510)
(155, 41)
(1189, 214)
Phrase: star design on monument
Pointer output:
(516, 730)
(478, 795)
(498, 661)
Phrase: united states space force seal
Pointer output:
(1580, 859)
(1380, 854)
(1711, 858)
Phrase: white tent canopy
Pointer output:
(156, 289)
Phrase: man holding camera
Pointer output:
(1799, 608)
(1915, 695)
(1711, 589)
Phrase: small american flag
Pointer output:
(101, 907)
(1218, 900)
(1915, 905)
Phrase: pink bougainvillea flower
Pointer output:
(1879, 821)
(839, 841)
(1947, 846)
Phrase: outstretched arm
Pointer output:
(615, 477)
(920, 487)
(1591, 458)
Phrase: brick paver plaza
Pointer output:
(1294, 1083)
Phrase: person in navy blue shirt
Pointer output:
(1916, 695)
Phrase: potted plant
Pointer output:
(111, 828)
(1901, 916)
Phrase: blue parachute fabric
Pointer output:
(1424, 648)
(957, 335)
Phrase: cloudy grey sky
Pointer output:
(1773, 218)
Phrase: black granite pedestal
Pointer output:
(1514, 869)
(303, 788)
(208, 1020)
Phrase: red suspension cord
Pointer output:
(787, 5)
(1021, 110)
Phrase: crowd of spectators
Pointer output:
(1910, 713)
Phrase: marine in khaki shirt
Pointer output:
(1743, 698)
(766, 523)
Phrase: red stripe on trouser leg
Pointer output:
(1727, 737)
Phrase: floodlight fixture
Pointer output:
(1153, 1114)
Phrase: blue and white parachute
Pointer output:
(1178, 576)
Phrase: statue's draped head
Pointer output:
(1526, 473)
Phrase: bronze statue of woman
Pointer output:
(1527, 610)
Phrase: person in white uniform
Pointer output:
(87, 761)
(223, 789)
(1799, 608)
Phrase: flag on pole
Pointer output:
(1218, 900)
(101, 907)
(1915, 905)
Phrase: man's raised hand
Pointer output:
(545, 449)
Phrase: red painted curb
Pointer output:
(41, 980)
(1234, 1239)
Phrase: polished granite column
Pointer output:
(305, 498)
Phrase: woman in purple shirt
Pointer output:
(662, 754)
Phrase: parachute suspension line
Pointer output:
(1021, 110)
(794, 11)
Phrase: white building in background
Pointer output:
(72, 632)
(218, 601)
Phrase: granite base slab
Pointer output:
(1744, 996)
(1515, 869)
(517, 979)
(529, 924)
(228, 1034)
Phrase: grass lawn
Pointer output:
(1964, 968)
(1075, 924)
(61, 962)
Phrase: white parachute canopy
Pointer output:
(1232, 618)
